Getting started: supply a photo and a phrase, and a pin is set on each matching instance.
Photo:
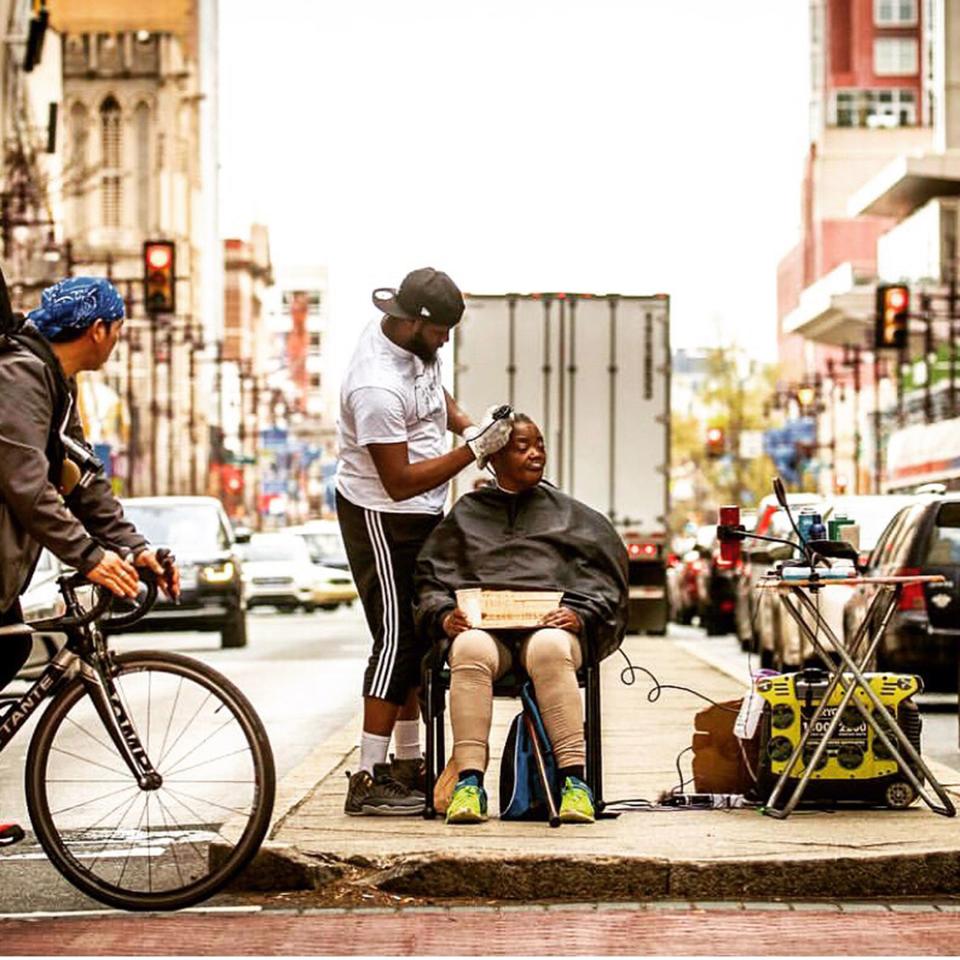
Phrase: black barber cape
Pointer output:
(540, 539)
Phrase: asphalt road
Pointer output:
(302, 674)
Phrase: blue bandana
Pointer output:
(74, 304)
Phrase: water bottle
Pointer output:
(817, 530)
(835, 523)
(805, 521)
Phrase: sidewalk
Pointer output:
(677, 854)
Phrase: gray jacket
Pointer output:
(32, 512)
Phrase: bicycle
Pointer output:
(137, 762)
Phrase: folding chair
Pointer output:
(436, 682)
(849, 673)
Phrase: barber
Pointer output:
(391, 486)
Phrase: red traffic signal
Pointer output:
(716, 442)
(159, 276)
(893, 309)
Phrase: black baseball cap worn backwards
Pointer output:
(425, 294)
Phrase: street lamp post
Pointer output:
(154, 408)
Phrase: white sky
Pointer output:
(630, 146)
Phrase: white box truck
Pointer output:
(594, 372)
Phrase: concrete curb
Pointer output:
(582, 876)
(280, 866)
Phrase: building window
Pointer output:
(873, 108)
(141, 126)
(76, 175)
(316, 381)
(895, 13)
(895, 56)
(315, 336)
(111, 139)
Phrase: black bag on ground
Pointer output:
(521, 790)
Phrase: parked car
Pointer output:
(923, 635)
(39, 601)
(716, 585)
(324, 541)
(199, 533)
(683, 565)
(872, 514)
(334, 582)
(278, 572)
(757, 611)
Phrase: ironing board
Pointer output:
(796, 596)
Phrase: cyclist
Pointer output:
(75, 328)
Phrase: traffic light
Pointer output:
(159, 276)
(716, 443)
(893, 308)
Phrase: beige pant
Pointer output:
(551, 657)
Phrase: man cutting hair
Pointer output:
(391, 486)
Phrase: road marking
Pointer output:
(52, 914)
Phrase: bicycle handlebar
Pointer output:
(105, 600)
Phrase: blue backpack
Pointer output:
(521, 790)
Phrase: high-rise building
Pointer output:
(31, 94)
(139, 125)
(883, 90)
(870, 102)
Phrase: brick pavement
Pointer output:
(720, 929)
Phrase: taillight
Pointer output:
(911, 596)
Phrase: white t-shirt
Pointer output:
(389, 395)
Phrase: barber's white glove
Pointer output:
(489, 437)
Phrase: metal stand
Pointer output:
(796, 601)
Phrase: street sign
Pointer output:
(751, 444)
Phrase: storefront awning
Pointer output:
(924, 452)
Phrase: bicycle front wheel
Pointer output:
(172, 845)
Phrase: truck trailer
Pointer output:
(593, 370)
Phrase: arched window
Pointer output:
(111, 148)
(141, 127)
(76, 177)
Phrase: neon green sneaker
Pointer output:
(468, 803)
(576, 802)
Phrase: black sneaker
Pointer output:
(10, 833)
(412, 772)
(380, 796)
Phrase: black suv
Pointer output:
(199, 533)
(924, 633)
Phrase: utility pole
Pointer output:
(194, 343)
(171, 439)
(877, 438)
(926, 315)
(853, 360)
(154, 409)
(256, 443)
(132, 342)
(953, 321)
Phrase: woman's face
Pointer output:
(520, 463)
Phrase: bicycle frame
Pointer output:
(86, 646)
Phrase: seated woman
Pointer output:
(522, 535)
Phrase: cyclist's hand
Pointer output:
(114, 573)
(168, 574)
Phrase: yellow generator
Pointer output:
(856, 766)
